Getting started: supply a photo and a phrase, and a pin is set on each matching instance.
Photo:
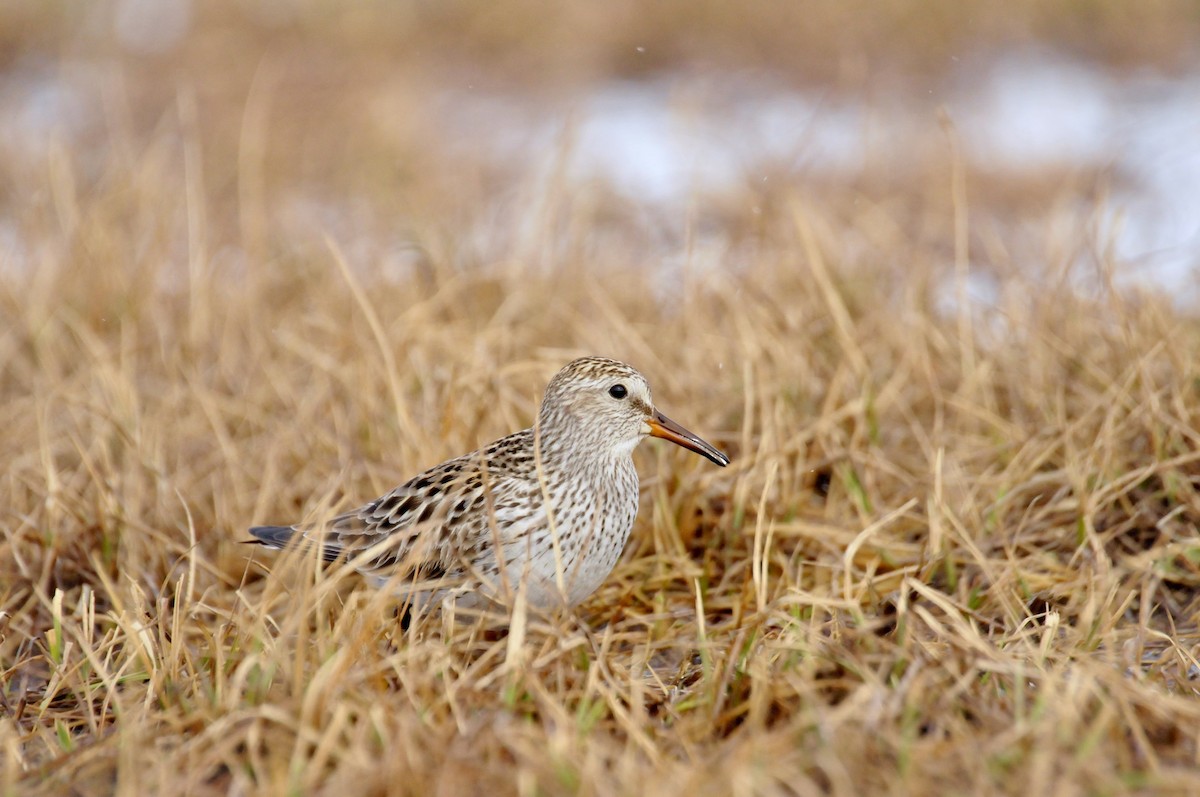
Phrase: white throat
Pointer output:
(624, 448)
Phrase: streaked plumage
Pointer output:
(479, 524)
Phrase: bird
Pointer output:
(546, 510)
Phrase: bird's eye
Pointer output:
(618, 391)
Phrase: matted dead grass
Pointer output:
(956, 551)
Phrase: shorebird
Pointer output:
(547, 509)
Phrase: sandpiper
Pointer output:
(546, 509)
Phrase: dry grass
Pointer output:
(956, 551)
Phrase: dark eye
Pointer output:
(618, 391)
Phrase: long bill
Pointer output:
(662, 426)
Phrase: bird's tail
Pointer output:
(276, 537)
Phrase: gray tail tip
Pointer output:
(272, 536)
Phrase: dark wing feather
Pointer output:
(420, 526)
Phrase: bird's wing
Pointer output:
(427, 526)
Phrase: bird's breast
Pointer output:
(595, 518)
(575, 536)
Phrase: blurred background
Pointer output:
(442, 135)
